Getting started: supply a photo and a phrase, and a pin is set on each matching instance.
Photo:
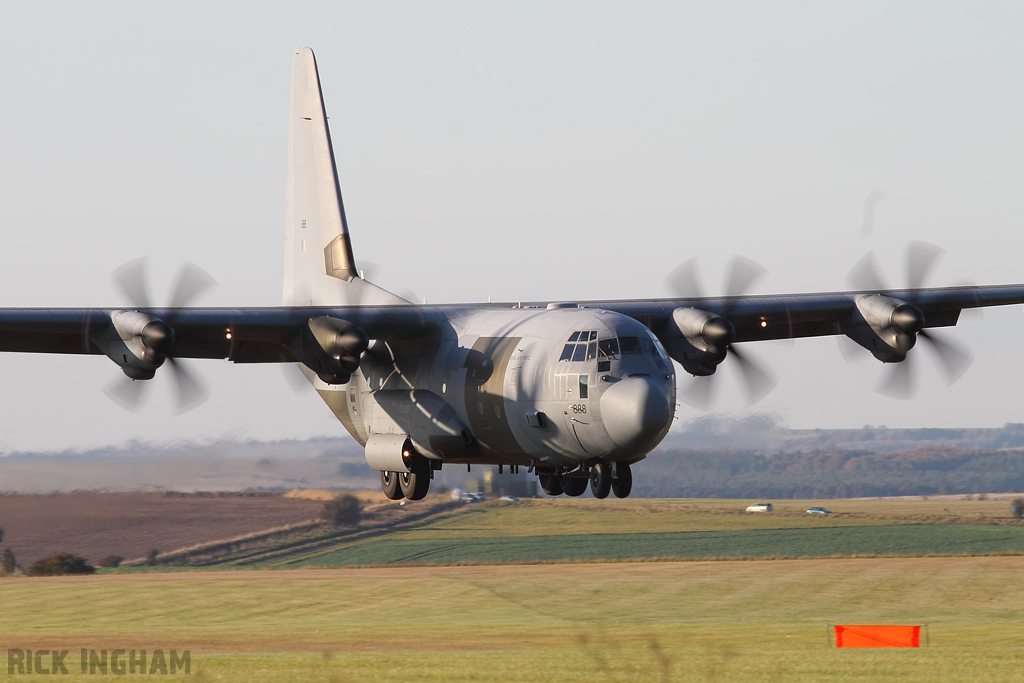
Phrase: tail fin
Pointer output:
(319, 265)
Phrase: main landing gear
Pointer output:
(413, 485)
(605, 478)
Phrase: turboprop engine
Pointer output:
(698, 340)
(331, 348)
(884, 326)
(137, 342)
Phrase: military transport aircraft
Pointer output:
(577, 392)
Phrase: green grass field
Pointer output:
(758, 620)
(589, 530)
(693, 621)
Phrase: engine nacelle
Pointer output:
(698, 340)
(137, 342)
(331, 348)
(884, 326)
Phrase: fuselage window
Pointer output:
(567, 352)
(592, 350)
(608, 347)
(575, 336)
(583, 385)
(647, 345)
(630, 345)
(580, 353)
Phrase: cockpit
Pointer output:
(585, 345)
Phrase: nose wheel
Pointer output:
(622, 480)
(550, 483)
(601, 480)
(573, 486)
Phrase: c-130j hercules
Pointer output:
(576, 392)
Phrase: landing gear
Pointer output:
(550, 483)
(601, 479)
(573, 486)
(389, 484)
(415, 484)
(622, 480)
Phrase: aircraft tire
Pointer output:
(601, 479)
(550, 483)
(622, 482)
(389, 484)
(574, 486)
(415, 484)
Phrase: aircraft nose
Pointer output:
(637, 413)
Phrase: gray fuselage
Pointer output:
(557, 386)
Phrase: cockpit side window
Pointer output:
(630, 345)
(608, 347)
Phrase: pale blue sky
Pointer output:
(522, 151)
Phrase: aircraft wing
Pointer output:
(242, 335)
(759, 318)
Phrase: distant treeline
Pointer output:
(828, 473)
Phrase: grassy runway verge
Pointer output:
(694, 621)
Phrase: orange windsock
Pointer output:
(878, 636)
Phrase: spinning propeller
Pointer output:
(921, 258)
(684, 281)
(159, 336)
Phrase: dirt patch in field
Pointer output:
(96, 525)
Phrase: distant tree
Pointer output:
(59, 565)
(1, 535)
(110, 561)
(7, 562)
(1017, 508)
(151, 557)
(342, 510)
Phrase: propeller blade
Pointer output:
(297, 381)
(850, 350)
(955, 360)
(127, 393)
(192, 281)
(684, 281)
(900, 383)
(865, 276)
(131, 280)
(700, 394)
(743, 273)
(758, 380)
(921, 258)
(190, 390)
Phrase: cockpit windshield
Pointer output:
(585, 346)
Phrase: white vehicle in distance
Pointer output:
(510, 499)
(760, 507)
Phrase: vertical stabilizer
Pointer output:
(318, 254)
